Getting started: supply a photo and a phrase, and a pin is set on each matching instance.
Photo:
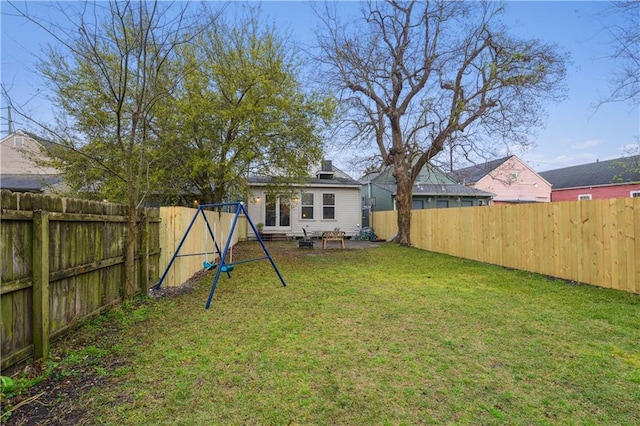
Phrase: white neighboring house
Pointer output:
(19, 171)
(330, 200)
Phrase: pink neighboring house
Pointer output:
(618, 178)
(511, 179)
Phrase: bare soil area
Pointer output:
(54, 401)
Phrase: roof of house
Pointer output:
(430, 174)
(609, 172)
(338, 181)
(473, 174)
(28, 182)
(325, 175)
(447, 189)
(42, 141)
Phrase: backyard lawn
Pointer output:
(382, 335)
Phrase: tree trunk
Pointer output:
(404, 194)
(403, 204)
(404, 182)
(132, 236)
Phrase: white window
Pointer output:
(306, 205)
(18, 142)
(584, 196)
(635, 194)
(328, 206)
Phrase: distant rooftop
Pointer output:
(448, 189)
(473, 174)
(619, 170)
(28, 182)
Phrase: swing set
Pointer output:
(222, 266)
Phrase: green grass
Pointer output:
(387, 335)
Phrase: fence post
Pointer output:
(40, 297)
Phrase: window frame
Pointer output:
(421, 205)
(326, 206)
(583, 197)
(634, 194)
(442, 200)
(304, 206)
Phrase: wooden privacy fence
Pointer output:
(595, 242)
(174, 224)
(62, 260)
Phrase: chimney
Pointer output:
(327, 166)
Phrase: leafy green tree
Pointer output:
(240, 111)
(422, 75)
(109, 73)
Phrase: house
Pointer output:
(616, 178)
(509, 178)
(329, 200)
(432, 189)
(19, 169)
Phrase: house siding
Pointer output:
(597, 193)
(348, 212)
(527, 187)
(431, 202)
(15, 160)
(424, 196)
(384, 199)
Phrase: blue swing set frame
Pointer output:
(223, 266)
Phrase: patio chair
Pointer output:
(306, 242)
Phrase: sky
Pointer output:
(575, 131)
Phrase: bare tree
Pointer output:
(625, 43)
(423, 73)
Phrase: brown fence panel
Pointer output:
(594, 242)
(62, 260)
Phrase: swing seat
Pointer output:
(227, 268)
(209, 266)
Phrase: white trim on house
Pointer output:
(584, 196)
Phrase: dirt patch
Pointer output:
(55, 400)
(186, 287)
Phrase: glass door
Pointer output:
(277, 212)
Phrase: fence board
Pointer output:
(631, 256)
(40, 288)
(198, 246)
(595, 242)
(636, 234)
